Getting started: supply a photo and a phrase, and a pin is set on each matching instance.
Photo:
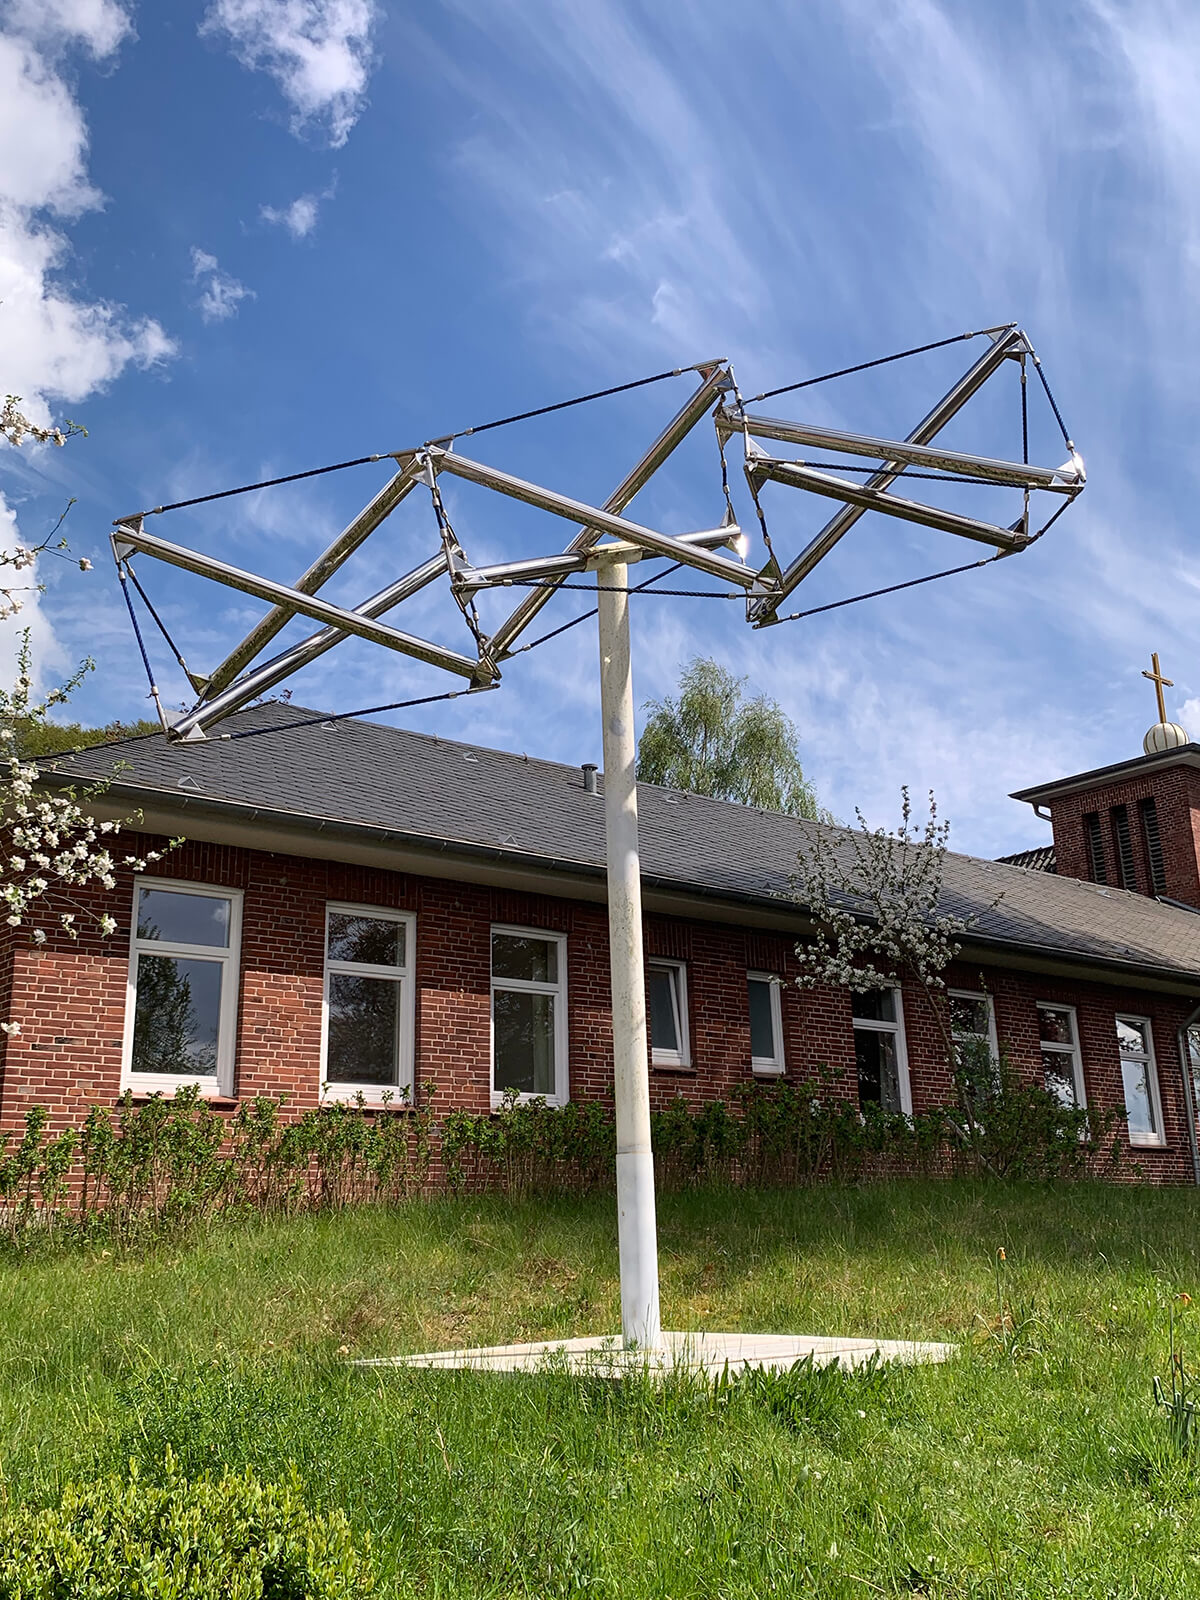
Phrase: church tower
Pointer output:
(1136, 824)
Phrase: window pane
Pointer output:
(877, 1005)
(1055, 1025)
(523, 1041)
(763, 1044)
(1194, 1057)
(364, 1029)
(183, 918)
(1059, 1070)
(1132, 1037)
(373, 941)
(516, 955)
(664, 1026)
(969, 1014)
(1137, 1099)
(177, 1016)
(878, 1068)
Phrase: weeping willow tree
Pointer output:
(710, 739)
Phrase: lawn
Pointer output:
(1033, 1464)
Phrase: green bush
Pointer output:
(232, 1539)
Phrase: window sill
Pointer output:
(554, 1101)
(208, 1097)
(678, 1069)
(1148, 1144)
(763, 1070)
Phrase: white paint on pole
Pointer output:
(636, 1227)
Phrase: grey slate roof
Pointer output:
(422, 788)
(1040, 859)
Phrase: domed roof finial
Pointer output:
(1163, 735)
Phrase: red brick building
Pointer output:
(364, 910)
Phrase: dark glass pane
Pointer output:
(523, 1041)
(181, 918)
(1059, 1073)
(1055, 1026)
(1138, 1103)
(877, 1005)
(373, 941)
(1132, 1037)
(664, 1028)
(968, 1014)
(763, 1045)
(878, 1068)
(364, 1029)
(516, 955)
(177, 1016)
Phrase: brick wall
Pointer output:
(69, 999)
(1176, 795)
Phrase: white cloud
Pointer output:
(300, 218)
(318, 51)
(98, 25)
(57, 344)
(221, 294)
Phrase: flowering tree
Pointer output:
(876, 898)
(52, 847)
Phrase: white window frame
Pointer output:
(659, 1056)
(770, 1066)
(869, 1025)
(980, 994)
(399, 1093)
(1145, 1141)
(562, 1072)
(1072, 1051)
(219, 1086)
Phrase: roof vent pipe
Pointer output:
(589, 777)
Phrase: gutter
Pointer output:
(182, 801)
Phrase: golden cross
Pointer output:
(1159, 682)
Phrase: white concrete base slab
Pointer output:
(701, 1354)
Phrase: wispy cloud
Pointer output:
(663, 191)
(300, 217)
(220, 293)
(319, 52)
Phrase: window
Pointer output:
(1094, 839)
(879, 1049)
(1123, 847)
(181, 1011)
(766, 1023)
(1193, 1042)
(1062, 1064)
(369, 1003)
(529, 1014)
(973, 1029)
(1136, 1044)
(669, 1042)
(1148, 812)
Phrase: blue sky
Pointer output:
(245, 237)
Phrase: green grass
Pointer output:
(1033, 1464)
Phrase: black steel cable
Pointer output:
(162, 627)
(248, 488)
(443, 438)
(893, 588)
(562, 405)
(865, 366)
(618, 588)
(364, 711)
(638, 588)
(1037, 367)
(137, 632)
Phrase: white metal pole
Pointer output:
(636, 1229)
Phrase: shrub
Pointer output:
(229, 1539)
